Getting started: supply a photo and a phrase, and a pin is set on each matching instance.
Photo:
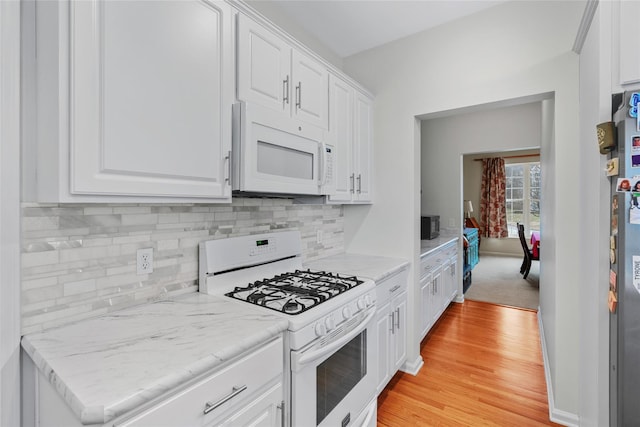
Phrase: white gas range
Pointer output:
(331, 363)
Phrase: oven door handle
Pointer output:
(312, 356)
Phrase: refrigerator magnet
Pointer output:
(612, 256)
(612, 302)
(635, 271)
(614, 205)
(634, 209)
(612, 242)
(623, 185)
(612, 167)
(613, 280)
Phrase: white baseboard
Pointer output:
(413, 367)
(556, 415)
(509, 254)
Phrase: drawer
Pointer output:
(388, 288)
(187, 407)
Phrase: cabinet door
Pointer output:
(399, 346)
(629, 42)
(310, 90)
(383, 324)
(150, 98)
(426, 316)
(264, 67)
(436, 295)
(362, 147)
(341, 138)
(453, 273)
(263, 411)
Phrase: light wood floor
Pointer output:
(482, 367)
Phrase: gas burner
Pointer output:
(295, 292)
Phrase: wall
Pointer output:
(512, 51)
(79, 261)
(472, 182)
(9, 213)
(595, 107)
(445, 140)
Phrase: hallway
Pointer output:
(482, 366)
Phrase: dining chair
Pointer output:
(528, 253)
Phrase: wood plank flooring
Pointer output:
(482, 367)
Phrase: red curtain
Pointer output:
(493, 213)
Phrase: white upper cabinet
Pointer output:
(629, 42)
(350, 136)
(276, 75)
(148, 110)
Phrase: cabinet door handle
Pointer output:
(359, 183)
(227, 160)
(285, 90)
(281, 407)
(208, 407)
(299, 95)
(398, 318)
(352, 178)
(395, 288)
(393, 323)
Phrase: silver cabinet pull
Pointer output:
(395, 288)
(299, 95)
(352, 178)
(393, 322)
(227, 160)
(285, 90)
(208, 407)
(398, 318)
(281, 407)
(359, 183)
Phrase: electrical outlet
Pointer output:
(144, 261)
(319, 236)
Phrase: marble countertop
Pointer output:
(428, 246)
(371, 267)
(145, 351)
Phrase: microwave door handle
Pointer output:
(323, 163)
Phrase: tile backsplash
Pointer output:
(79, 261)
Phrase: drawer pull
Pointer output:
(208, 407)
(395, 288)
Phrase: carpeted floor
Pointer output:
(498, 280)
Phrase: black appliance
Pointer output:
(429, 227)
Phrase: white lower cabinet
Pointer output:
(247, 392)
(391, 295)
(438, 284)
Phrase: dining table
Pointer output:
(535, 244)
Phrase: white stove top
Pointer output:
(260, 271)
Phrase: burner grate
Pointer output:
(295, 292)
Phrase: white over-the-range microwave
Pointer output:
(274, 154)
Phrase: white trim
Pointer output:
(556, 415)
(413, 367)
(585, 24)
(10, 212)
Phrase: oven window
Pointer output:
(339, 374)
(284, 161)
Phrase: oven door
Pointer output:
(273, 153)
(333, 378)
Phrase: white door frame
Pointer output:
(10, 212)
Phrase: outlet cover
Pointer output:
(144, 261)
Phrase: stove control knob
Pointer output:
(368, 300)
(329, 323)
(346, 313)
(361, 304)
(320, 329)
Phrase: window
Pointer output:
(523, 197)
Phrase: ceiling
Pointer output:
(348, 27)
